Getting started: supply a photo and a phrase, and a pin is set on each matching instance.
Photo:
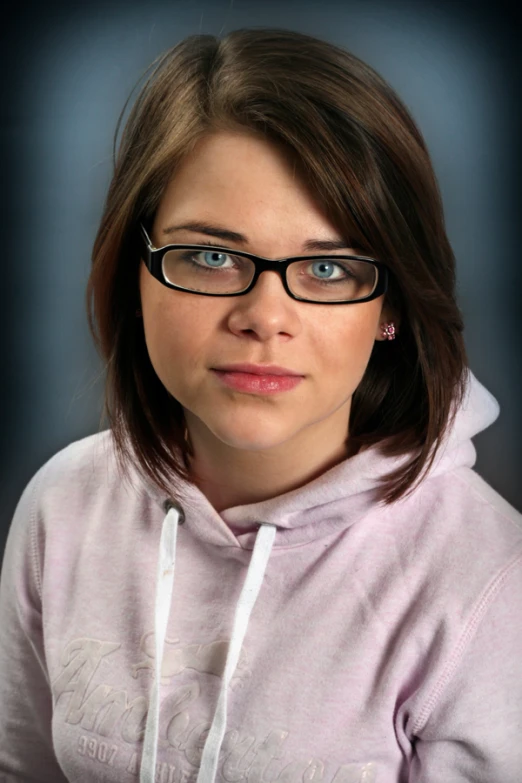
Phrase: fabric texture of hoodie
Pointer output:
(337, 640)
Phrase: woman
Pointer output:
(277, 563)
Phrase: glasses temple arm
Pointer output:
(146, 237)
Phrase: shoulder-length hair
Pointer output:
(367, 164)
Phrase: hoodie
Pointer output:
(317, 637)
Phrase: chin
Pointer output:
(251, 438)
(252, 444)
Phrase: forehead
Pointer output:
(246, 183)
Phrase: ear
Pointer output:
(387, 316)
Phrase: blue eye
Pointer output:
(330, 266)
(214, 258)
(211, 260)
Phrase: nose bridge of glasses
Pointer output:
(277, 265)
(267, 269)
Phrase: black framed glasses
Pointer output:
(210, 270)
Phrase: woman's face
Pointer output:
(245, 184)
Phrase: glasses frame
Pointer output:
(154, 257)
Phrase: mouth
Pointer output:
(259, 369)
(255, 383)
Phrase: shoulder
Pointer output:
(77, 476)
(462, 527)
(477, 582)
(56, 498)
(463, 497)
(475, 493)
(87, 460)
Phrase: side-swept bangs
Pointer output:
(358, 149)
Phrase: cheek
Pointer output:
(170, 342)
(175, 346)
(346, 343)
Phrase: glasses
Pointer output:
(209, 270)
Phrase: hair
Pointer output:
(363, 156)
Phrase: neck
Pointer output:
(229, 476)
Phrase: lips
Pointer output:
(254, 383)
(259, 369)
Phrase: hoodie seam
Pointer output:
(33, 517)
(489, 593)
(37, 571)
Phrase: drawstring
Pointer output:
(164, 584)
(164, 589)
(247, 599)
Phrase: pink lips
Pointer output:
(267, 383)
(258, 369)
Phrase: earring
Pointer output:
(138, 313)
(388, 331)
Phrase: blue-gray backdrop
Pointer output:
(67, 71)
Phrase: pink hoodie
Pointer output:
(342, 642)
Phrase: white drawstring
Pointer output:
(164, 589)
(247, 599)
(164, 585)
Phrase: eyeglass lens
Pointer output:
(321, 279)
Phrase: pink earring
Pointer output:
(388, 331)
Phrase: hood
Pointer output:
(334, 501)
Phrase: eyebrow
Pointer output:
(234, 236)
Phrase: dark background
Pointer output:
(67, 71)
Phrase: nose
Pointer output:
(266, 310)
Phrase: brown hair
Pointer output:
(367, 163)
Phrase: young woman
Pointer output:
(277, 564)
